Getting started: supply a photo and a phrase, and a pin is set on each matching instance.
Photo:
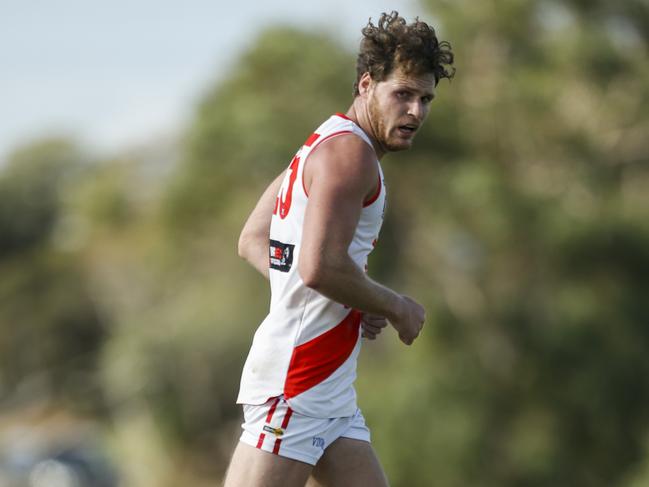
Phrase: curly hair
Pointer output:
(393, 43)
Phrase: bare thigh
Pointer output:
(348, 463)
(251, 467)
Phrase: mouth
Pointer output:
(407, 130)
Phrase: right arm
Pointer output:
(254, 238)
(341, 173)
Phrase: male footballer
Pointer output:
(310, 234)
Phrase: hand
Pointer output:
(372, 325)
(409, 320)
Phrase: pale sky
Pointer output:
(120, 73)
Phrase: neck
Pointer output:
(359, 113)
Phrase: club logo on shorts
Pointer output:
(275, 431)
(281, 256)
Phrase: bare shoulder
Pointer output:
(345, 158)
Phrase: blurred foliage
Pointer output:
(520, 219)
(50, 329)
(529, 241)
(30, 188)
(239, 139)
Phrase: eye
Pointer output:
(426, 99)
(402, 94)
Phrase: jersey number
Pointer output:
(285, 198)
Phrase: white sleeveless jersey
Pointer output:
(306, 348)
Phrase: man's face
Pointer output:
(398, 106)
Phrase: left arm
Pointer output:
(253, 241)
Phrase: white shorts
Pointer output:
(274, 427)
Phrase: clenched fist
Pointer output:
(408, 319)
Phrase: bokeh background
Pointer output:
(134, 141)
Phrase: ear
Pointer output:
(364, 84)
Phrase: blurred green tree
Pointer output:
(50, 331)
(530, 246)
(248, 126)
(520, 218)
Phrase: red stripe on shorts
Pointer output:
(272, 410)
(276, 448)
(261, 440)
(278, 441)
(289, 413)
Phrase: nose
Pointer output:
(416, 109)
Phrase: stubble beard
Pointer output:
(378, 127)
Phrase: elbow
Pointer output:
(311, 274)
(243, 246)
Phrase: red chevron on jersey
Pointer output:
(314, 361)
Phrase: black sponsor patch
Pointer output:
(281, 256)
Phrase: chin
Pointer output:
(398, 146)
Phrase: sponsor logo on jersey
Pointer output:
(281, 256)
(275, 431)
